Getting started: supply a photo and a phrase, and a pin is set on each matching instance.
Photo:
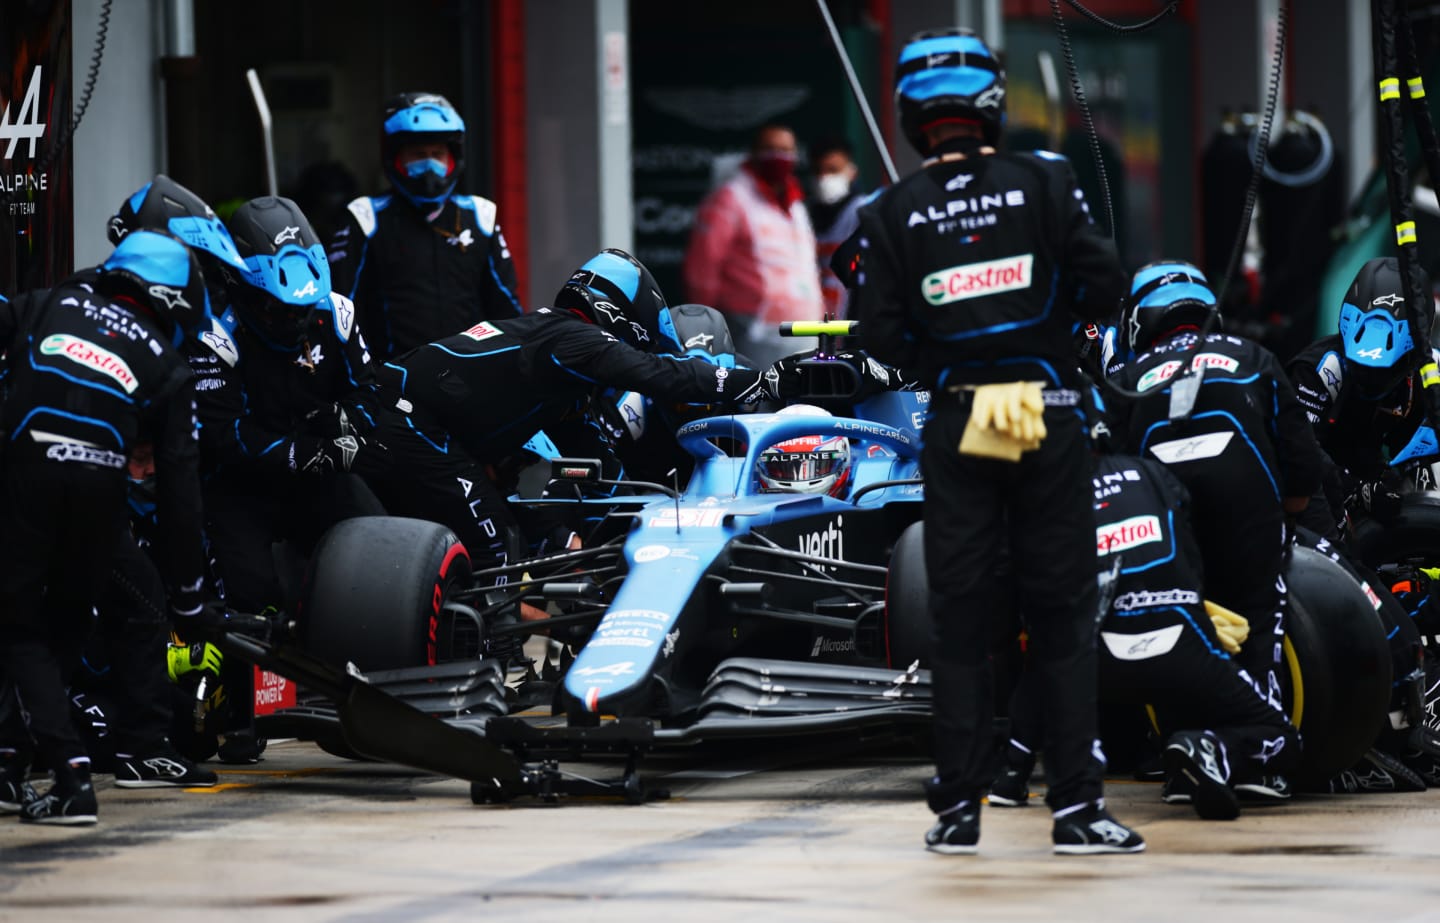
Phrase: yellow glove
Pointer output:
(1006, 420)
(1231, 627)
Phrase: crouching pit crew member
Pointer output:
(93, 369)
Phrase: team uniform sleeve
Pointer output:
(500, 285)
(348, 253)
(1302, 464)
(591, 355)
(178, 506)
(877, 300)
(230, 435)
(1092, 262)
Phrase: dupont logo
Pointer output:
(975, 280)
(1127, 533)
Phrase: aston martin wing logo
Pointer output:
(727, 109)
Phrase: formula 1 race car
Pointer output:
(720, 611)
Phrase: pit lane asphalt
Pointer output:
(803, 833)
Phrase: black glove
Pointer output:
(1379, 499)
(325, 456)
(329, 422)
(782, 381)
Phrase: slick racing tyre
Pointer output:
(376, 589)
(1412, 536)
(907, 602)
(1336, 670)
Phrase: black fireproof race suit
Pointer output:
(416, 281)
(259, 409)
(1157, 645)
(87, 379)
(478, 396)
(1244, 448)
(970, 271)
(1358, 433)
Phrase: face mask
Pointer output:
(773, 167)
(831, 188)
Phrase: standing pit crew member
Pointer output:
(93, 370)
(970, 270)
(422, 263)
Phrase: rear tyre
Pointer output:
(908, 635)
(1336, 671)
(376, 590)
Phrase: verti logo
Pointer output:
(974, 280)
(27, 125)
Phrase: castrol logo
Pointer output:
(1127, 533)
(976, 279)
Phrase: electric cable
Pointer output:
(1148, 24)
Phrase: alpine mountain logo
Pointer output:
(308, 290)
(1127, 533)
(975, 280)
(26, 125)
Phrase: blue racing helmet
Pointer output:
(704, 334)
(164, 205)
(1375, 327)
(160, 273)
(1165, 297)
(615, 291)
(420, 118)
(948, 75)
(286, 274)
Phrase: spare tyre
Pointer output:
(375, 591)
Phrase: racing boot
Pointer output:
(160, 766)
(1377, 771)
(956, 832)
(1265, 790)
(1199, 758)
(1089, 830)
(70, 800)
(1012, 788)
(15, 790)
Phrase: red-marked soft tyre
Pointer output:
(375, 591)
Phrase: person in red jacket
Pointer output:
(752, 250)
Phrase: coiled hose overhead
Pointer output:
(1187, 384)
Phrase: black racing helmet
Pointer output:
(616, 292)
(286, 274)
(419, 118)
(1375, 327)
(161, 274)
(1165, 297)
(948, 75)
(164, 205)
(703, 333)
